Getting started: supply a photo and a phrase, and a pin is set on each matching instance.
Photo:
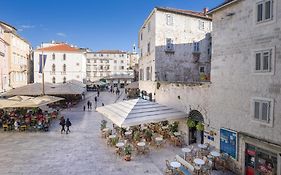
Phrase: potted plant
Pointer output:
(128, 152)
(190, 123)
(174, 127)
(148, 135)
(103, 124)
(136, 136)
(200, 126)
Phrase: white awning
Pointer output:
(139, 111)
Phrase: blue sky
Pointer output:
(95, 24)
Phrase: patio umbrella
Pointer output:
(139, 111)
(36, 102)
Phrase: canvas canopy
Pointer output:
(28, 102)
(35, 89)
(139, 111)
(133, 85)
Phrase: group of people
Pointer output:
(64, 124)
(27, 119)
(117, 91)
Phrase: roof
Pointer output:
(222, 5)
(139, 111)
(111, 51)
(60, 47)
(6, 24)
(185, 12)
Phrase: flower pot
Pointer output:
(127, 157)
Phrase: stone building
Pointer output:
(18, 55)
(107, 63)
(60, 62)
(4, 73)
(175, 46)
(246, 83)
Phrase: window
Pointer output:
(264, 11)
(77, 64)
(262, 110)
(53, 68)
(148, 48)
(148, 27)
(201, 25)
(54, 56)
(95, 61)
(101, 55)
(122, 67)
(64, 68)
(169, 44)
(88, 61)
(141, 36)
(196, 47)
(54, 80)
(115, 61)
(122, 61)
(201, 69)
(169, 19)
(64, 56)
(263, 61)
(101, 67)
(64, 79)
(141, 74)
(140, 52)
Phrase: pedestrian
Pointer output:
(84, 107)
(102, 104)
(98, 93)
(88, 104)
(62, 123)
(67, 124)
(91, 105)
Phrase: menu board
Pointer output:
(228, 142)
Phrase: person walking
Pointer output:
(62, 123)
(67, 124)
(98, 92)
(84, 108)
(96, 101)
(88, 104)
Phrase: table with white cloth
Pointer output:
(199, 162)
(202, 146)
(215, 154)
(175, 165)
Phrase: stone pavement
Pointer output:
(81, 152)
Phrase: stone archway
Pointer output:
(196, 136)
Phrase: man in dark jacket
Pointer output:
(62, 123)
(67, 124)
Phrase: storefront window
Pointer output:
(260, 162)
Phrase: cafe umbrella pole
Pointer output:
(43, 78)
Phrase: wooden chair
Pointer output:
(169, 169)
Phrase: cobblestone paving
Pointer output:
(82, 152)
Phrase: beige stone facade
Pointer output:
(18, 57)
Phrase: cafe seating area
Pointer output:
(198, 159)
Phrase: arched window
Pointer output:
(54, 80)
(64, 68)
(64, 79)
(53, 68)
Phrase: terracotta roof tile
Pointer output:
(185, 12)
(60, 47)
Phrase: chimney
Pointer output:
(205, 11)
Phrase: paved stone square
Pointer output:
(82, 152)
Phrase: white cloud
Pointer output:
(27, 26)
(20, 30)
(61, 34)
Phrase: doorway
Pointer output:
(196, 136)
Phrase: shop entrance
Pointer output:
(259, 161)
(195, 135)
